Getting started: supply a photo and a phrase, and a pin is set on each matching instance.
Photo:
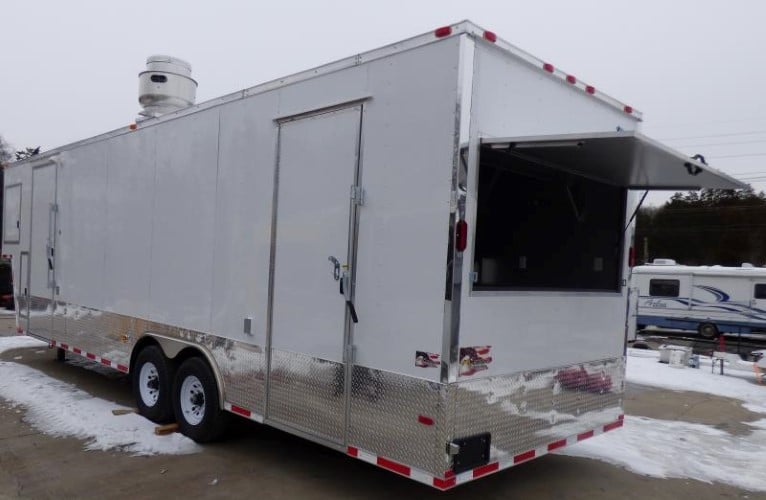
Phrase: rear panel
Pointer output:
(528, 329)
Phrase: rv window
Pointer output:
(541, 228)
(760, 291)
(663, 288)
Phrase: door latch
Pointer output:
(335, 267)
(342, 275)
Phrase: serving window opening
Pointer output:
(542, 227)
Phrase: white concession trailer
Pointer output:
(416, 255)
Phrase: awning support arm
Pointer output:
(635, 212)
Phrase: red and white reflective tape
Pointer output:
(90, 356)
(243, 412)
(450, 479)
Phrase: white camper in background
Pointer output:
(417, 255)
(708, 299)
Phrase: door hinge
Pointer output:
(357, 195)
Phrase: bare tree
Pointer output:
(27, 153)
(6, 152)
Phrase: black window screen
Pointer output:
(663, 288)
(760, 291)
(541, 228)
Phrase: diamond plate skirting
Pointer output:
(112, 336)
(307, 393)
(411, 420)
(387, 415)
(527, 410)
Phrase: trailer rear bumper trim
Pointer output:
(450, 479)
(557, 444)
(585, 435)
(486, 469)
(613, 425)
(402, 469)
(523, 457)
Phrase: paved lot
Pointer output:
(261, 462)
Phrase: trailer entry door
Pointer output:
(551, 210)
(42, 251)
(313, 250)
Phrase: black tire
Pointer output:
(708, 331)
(157, 384)
(196, 404)
(60, 354)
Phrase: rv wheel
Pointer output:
(151, 385)
(708, 331)
(195, 402)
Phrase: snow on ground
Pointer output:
(665, 449)
(59, 409)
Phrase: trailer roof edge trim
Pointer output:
(458, 29)
(625, 158)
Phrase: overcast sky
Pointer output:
(69, 69)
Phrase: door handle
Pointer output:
(335, 268)
(344, 285)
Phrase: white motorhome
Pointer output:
(708, 299)
(417, 255)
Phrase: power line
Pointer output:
(722, 144)
(713, 122)
(739, 156)
(734, 134)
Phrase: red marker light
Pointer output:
(571, 79)
(461, 235)
(425, 420)
(443, 31)
(548, 67)
(628, 109)
(631, 257)
(590, 89)
(133, 126)
(489, 36)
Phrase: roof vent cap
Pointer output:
(165, 86)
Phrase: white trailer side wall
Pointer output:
(82, 222)
(171, 223)
(535, 330)
(130, 219)
(184, 216)
(409, 131)
(244, 191)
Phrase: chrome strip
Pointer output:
(454, 274)
(272, 263)
(353, 240)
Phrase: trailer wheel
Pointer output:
(708, 331)
(151, 385)
(195, 402)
